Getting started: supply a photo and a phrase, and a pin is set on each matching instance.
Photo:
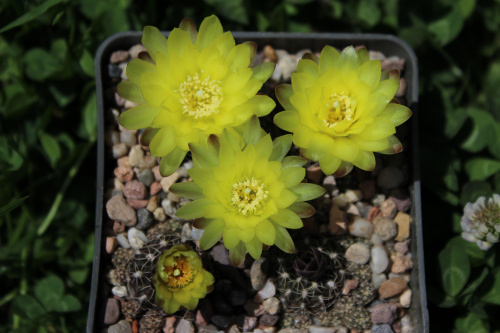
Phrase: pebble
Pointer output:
(271, 305)
(393, 62)
(401, 264)
(314, 173)
(237, 297)
(166, 182)
(390, 177)
(124, 174)
(196, 233)
(118, 227)
(153, 203)
(144, 219)
(269, 320)
(349, 285)
(258, 273)
(402, 247)
(204, 312)
(358, 253)
(185, 232)
(120, 101)
(340, 201)
(208, 329)
(114, 71)
(146, 177)
(402, 205)
(361, 228)
(154, 188)
(123, 241)
(337, 219)
(168, 207)
(403, 221)
(376, 240)
(134, 189)
(124, 162)
(159, 214)
(119, 150)
(184, 326)
(384, 313)
(253, 308)
(111, 244)
(382, 329)
(378, 280)
(379, 259)
(156, 172)
(136, 238)
(248, 323)
(136, 156)
(118, 56)
(320, 329)
(233, 329)
(128, 137)
(221, 321)
(353, 195)
(269, 290)
(222, 306)
(119, 210)
(173, 197)
(169, 326)
(378, 200)
(120, 291)
(404, 276)
(123, 326)
(385, 228)
(137, 204)
(123, 67)
(112, 313)
(405, 298)
(392, 287)
(389, 209)
(135, 50)
(364, 208)
(406, 326)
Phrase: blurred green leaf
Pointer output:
(481, 131)
(68, 303)
(233, 10)
(450, 179)
(448, 27)
(31, 15)
(481, 168)
(79, 275)
(49, 291)
(455, 119)
(51, 148)
(9, 156)
(476, 282)
(455, 269)
(475, 189)
(40, 64)
(466, 7)
(62, 96)
(299, 2)
(369, 12)
(493, 295)
(13, 204)
(391, 9)
(27, 307)
(471, 323)
(87, 63)
(59, 49)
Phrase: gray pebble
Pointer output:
(385, 228)
(184, 326)
(382, 329)
(145, 219)
(123, 326)
(390, 177)
(128, 137)
(114, 71)
(320, 329)
(269, 320)
(258, 273)
(146, 177)
(358, 253)
(271, 305)
(119, 210)
(120, 150)
(112, 313)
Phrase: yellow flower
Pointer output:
(338, 109)
(180, 279)
(193, 85)
(246, 191)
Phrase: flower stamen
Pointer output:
(200, 98)
(179, 273)
(248, 196)
(338, 109)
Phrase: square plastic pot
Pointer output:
(292, 42)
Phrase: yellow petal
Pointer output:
(365, 160)
(288, 219)
(230, 237)
(378, 129)
(308, 66)
(329, 58)
(236, 80)
(238, 57)
(225, 43)
(210, 29)
(212, 234)
(139, 117)
(329, 164)
(370, 145)
(245, 234)
(396, 113)
(285, 199)
(345, 149)
(301, 81)
(370, 72)
(154, 41)
(177, 41)
(265, 232)
(163, 142)
(136, 68)
(292, 176)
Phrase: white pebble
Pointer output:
(159, 214)
(120, 291)
(361, 228)
(185, 233)
(405, 298)
(378, 279)
(353, 195)
(376, 240)
(269, 290)
(136, 238)
(340, 200)
(123, 241)
(196, 233)
(136, 156)
(379, 260)
(406, 326)
(320, 329)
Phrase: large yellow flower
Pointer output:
(180, 279)
(193, 85)
(247, 192)
(338, 109)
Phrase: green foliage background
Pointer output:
(48, 135)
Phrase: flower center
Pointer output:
(179, 273)
(338, 108)
(200, 98)
(248, 196)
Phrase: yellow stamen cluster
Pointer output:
(248, 196)
(179, 273)
(338, 108)
(200, 98)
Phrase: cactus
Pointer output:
(152, 322)
(311, 280)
